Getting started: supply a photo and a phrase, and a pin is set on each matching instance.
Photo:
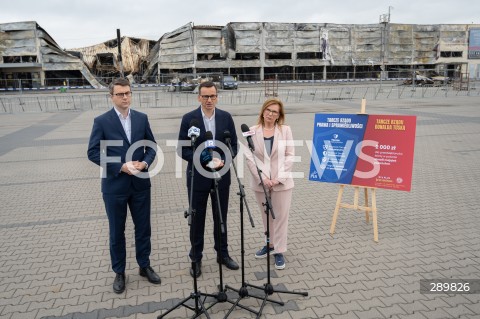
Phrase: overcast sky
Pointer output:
(79, 23)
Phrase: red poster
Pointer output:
(386, 156)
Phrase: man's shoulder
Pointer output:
(222, 113)
(105, 115)
(138, 113)
(192, 113)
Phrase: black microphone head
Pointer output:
(208, 135)
(245, 128)
(227, 134)
(194, 122)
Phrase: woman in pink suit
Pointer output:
(274, 154)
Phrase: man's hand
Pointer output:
(217, 163)
(133, 167)
(140, 166)
(126, 168)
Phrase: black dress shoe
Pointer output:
(198, 270)
(228, 262)
(119, 283)
(150, 274)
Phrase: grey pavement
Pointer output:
(54, 256)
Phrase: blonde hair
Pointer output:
(267, 103)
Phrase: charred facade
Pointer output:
(250, 51)
(30, 58)
(261, 50)
(103, 59)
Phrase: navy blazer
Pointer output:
(223, 122)
(108, 127)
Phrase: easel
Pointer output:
(355, 205)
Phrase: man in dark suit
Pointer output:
(209, 118)
(125, 180)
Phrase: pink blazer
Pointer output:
(276, 166)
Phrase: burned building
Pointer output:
(250, 51)
(262, 50)
(30, 58)
(103, 59)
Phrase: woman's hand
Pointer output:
(268, 183)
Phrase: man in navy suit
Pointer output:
(125, 180)
(209, 118)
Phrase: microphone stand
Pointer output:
(221, 296)
(196, 295)
(243, 291)
(268, 287)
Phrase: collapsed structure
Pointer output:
(30, 58)
(103, 60)
(259, 50)
(250, 51)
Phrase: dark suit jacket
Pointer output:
(108, 127)
(223, 122)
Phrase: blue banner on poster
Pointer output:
(474, 44)
(335, 140)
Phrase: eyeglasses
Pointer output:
(129, 93)
(271, 112)
(206, 97)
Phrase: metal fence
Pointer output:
(160, 98)
(186, 80)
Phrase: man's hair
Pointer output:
(118, 81)
(207, 84)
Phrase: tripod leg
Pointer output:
(199, 308)
(196, 295)
(237, 304)
(181, 303)
(303, 293)
(203, 311)
(261, 307)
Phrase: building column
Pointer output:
(42, 78)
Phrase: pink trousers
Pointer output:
(279, 226)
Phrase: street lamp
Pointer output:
(384, 20)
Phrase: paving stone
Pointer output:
(387, 312)
(348, 315)
(458, 311)
(436, 314)
(370, 314)
(350, 306)
(371, 303)
(418, 315)
(328, 310)
(55, 257)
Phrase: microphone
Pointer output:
(209, 145)
(227, 136)
(210, 142)
(248, 135)
(193, 131)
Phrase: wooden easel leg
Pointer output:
(367, 214)
(337, 209)
(374, 214)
